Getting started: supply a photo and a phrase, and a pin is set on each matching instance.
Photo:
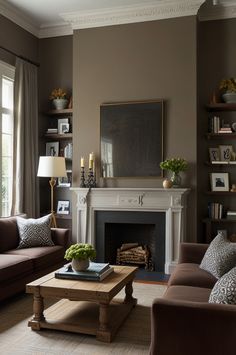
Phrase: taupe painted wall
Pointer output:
(139, 61)
(16, 39)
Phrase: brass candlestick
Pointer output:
(82, 178)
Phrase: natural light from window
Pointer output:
(6, 137)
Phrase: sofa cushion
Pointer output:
(14, 266)
(9, 236)
(34, 232)
(224, 290)
(42, 256)
(220, 256)
(188, 293)
(190, 274)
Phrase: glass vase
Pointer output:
(176, 179)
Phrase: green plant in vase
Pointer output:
(228, 87)
(80, 255)
(175, 165)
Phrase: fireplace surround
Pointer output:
(172, 202)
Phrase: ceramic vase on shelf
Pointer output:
(229, 97)
(60, 104)
(176, 179)
(79, 264)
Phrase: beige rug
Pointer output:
(133, 338)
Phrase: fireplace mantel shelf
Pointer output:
(171, 201)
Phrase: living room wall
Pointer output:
(17, 40)
(141, 61)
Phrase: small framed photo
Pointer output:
(214, 154)
(52, 149)
(226, 152)
(63, 207)
(60, 121)
(219, 181)
(64, 128)
(63, 182)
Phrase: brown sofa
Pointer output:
(183, 322)
(20, 266)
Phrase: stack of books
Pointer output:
(215, 210)
(231, 215)
(95, 272)
(52, 131)
(225, 130)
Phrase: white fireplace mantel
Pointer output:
(171, 201)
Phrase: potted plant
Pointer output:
(228, 87)
(175, 165)
(80, 255)
(58, 97)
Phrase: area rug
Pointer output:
(133, 337)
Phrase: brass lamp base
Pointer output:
(53, 222)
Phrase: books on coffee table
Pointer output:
(95, 272)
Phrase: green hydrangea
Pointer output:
(80, 251)
(175, 164)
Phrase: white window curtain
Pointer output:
(25, 183)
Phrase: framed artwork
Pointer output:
(52, 149)
(131, 139)
(214, 154)
(63, 207)
(219, 181)
(60, 121)
(64, 128)
(225, 152)
(63, 182)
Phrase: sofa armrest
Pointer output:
(183, 328)
(192, 252)
(60, 236)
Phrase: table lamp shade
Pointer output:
(52, 167)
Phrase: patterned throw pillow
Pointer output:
(34, 232)
(224, 290)
(220, 256)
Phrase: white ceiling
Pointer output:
(47, 18)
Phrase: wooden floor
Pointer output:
(133, 337)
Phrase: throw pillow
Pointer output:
(220, 256)
(224, 290)
(34, 232)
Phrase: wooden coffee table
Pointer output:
(96, 313)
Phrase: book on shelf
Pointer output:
(95, 272)
(215, 210)
(220, 162)
(52, 130)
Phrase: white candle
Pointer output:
(82, 162)
(91, 158)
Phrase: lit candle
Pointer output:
(82, 162)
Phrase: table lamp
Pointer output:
(52, 167)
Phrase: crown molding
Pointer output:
(218, 12)
(130, 14)
(16, 16)
(58, 30)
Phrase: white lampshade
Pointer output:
(52, 167)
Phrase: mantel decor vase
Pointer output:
(80, 264)
(176, 179)
(60, 104)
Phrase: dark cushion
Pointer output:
(42, 256)
(188, 293)
(190, 274)
(224, 290)
(220, 256)
(14, 266)
(9, 236)
(34, 232)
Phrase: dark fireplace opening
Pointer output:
(114, 228)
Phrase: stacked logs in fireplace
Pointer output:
(133, 253)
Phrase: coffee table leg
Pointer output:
(104, 333)
(38, 308)
(128, 293)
